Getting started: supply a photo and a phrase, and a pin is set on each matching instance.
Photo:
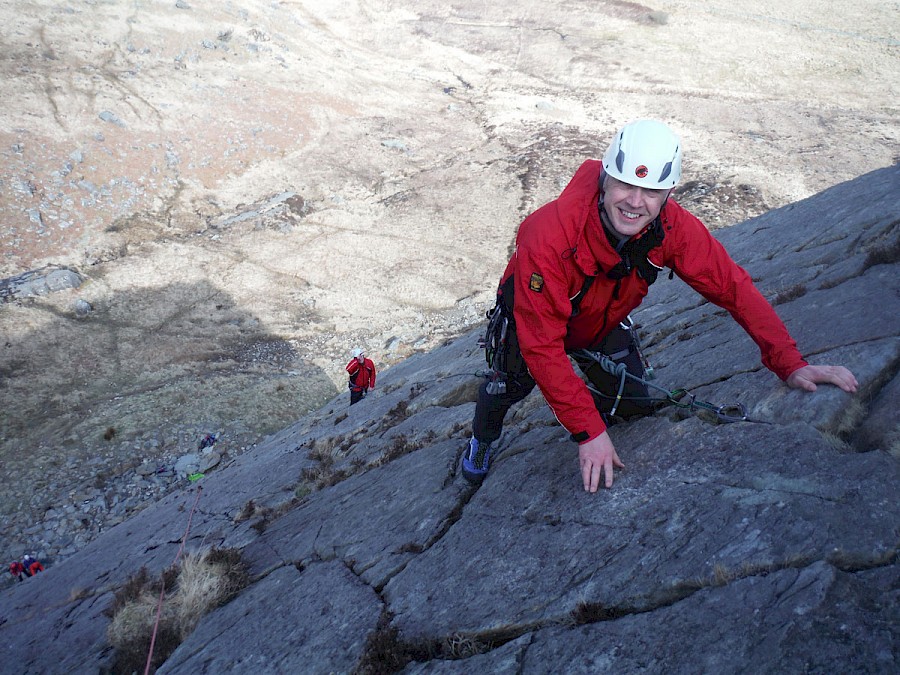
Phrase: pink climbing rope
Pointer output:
(162, 591)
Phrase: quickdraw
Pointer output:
(628, 324)
(679, 398)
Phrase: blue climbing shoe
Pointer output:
(476, 461)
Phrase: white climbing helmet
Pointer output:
(358, 352)
(645, 153)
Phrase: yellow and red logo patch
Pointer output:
(536, 283)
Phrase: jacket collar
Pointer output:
(591, 249)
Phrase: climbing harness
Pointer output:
(496, 348)
(500, 329)
(679, 398)
(497, 340)
(496, 345)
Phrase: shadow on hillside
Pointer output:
(141, 375)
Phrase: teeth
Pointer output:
(628, 214)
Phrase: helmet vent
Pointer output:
(667, 169)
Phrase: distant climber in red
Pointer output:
(17, 569)
(362, 376)
(34, 566)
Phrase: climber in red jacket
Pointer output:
(34, 566)
(362, 375)
(17, 569)
(582, 263)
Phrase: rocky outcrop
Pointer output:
(771, 543)
(42, 282)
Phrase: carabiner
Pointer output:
(724, 413)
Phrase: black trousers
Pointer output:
(491, 409)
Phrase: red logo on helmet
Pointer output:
(641, 171)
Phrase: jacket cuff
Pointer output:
(788, 371)
(589, 434)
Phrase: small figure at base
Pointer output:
(17, 569)
(32, 566)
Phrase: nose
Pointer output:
(635, 195)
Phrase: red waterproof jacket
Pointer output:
(562, 242)
(365, 375)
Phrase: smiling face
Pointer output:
(630, 208)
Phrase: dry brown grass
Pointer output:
(788, 294)
(246, 512)
(78, 593)
(203, 582)
(386, 652)
(885, 254)
(851, 418)
(835, 442)
(460, 646)
(593, 612)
